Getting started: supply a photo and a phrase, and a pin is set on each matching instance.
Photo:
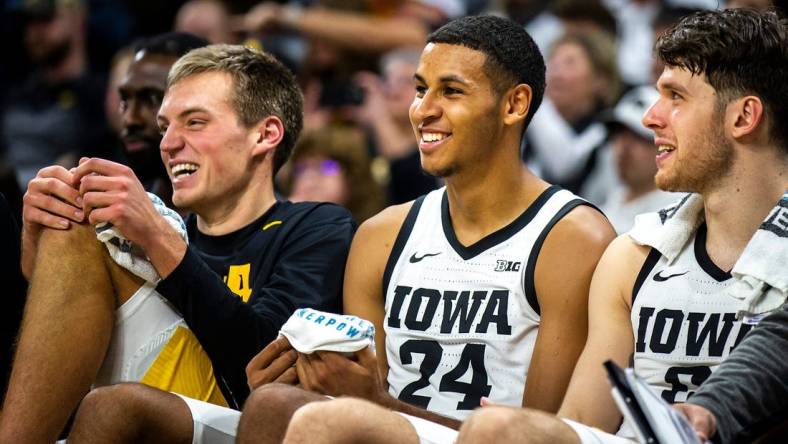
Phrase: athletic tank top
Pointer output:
(684, 324)
(461, 322)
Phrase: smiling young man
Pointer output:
(663, 295)
(472, 288)
(229, 119)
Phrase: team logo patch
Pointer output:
(501, 265)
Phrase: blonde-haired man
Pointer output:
(229, 120)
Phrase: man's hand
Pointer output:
(702, 420)
(334, 374)
(52, 200)
(276, 363)
(112, 193)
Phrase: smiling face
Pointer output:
(207, 151)
(693, 152)
(456, 114)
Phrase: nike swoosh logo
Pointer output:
(414, 258)
(659, 278)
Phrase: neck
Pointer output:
(735, 209)
(637, 191)
(237, 210)
(488, 197)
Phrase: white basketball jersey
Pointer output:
(461, 322)
(684, 324)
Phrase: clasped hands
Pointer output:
(325, 372)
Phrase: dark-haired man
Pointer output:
(664, 295)
(470, 287)
(229, 119)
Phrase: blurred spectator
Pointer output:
(208, 19)
(141, 92)
(566, 142)
(384, 112)
(634, 154)
(562, 16)
(332, 165)
(407, 24)
(667, 17)
(56, 115)
(635, 37)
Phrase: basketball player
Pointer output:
(473, 287)
(719, 133)
(230, 118)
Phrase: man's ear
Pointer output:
(517, 104)
(746, 116)
(267, 134)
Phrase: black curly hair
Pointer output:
(512, 57)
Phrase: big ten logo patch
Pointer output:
(237, 280)
(777, 222)
(501, 265)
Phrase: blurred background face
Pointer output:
(634, 159)
(318, 178)
(141, 93)
(398, 86)
(205, 18)
(571, 81)
(48, 38)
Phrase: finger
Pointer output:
(485, 401)
(272, 350)
(36, 203)
(59, 186)
(95, 182)
(45, 219)
(290, 376)
(98, 199)
(99, 166)
(303, 372)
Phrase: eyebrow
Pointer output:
(183, 114)
(670, 85)
(444, 79)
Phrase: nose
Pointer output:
(653, 119)
(171, 140)
(132, 114)
(424, 108)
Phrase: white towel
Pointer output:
(311, 330)
(761, 277)
(130, 256)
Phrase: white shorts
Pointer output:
(430, 432)
(213, 424)
(592, 435)
(151, 344)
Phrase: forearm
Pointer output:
(750, 386)
(357, 31)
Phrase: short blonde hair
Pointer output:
(262, 87)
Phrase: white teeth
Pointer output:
(184, 168)
(665, 148)
(432, 137)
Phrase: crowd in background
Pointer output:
(354, 60)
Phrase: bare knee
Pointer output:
(268, 410)
(131, 412)
(507, 424)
